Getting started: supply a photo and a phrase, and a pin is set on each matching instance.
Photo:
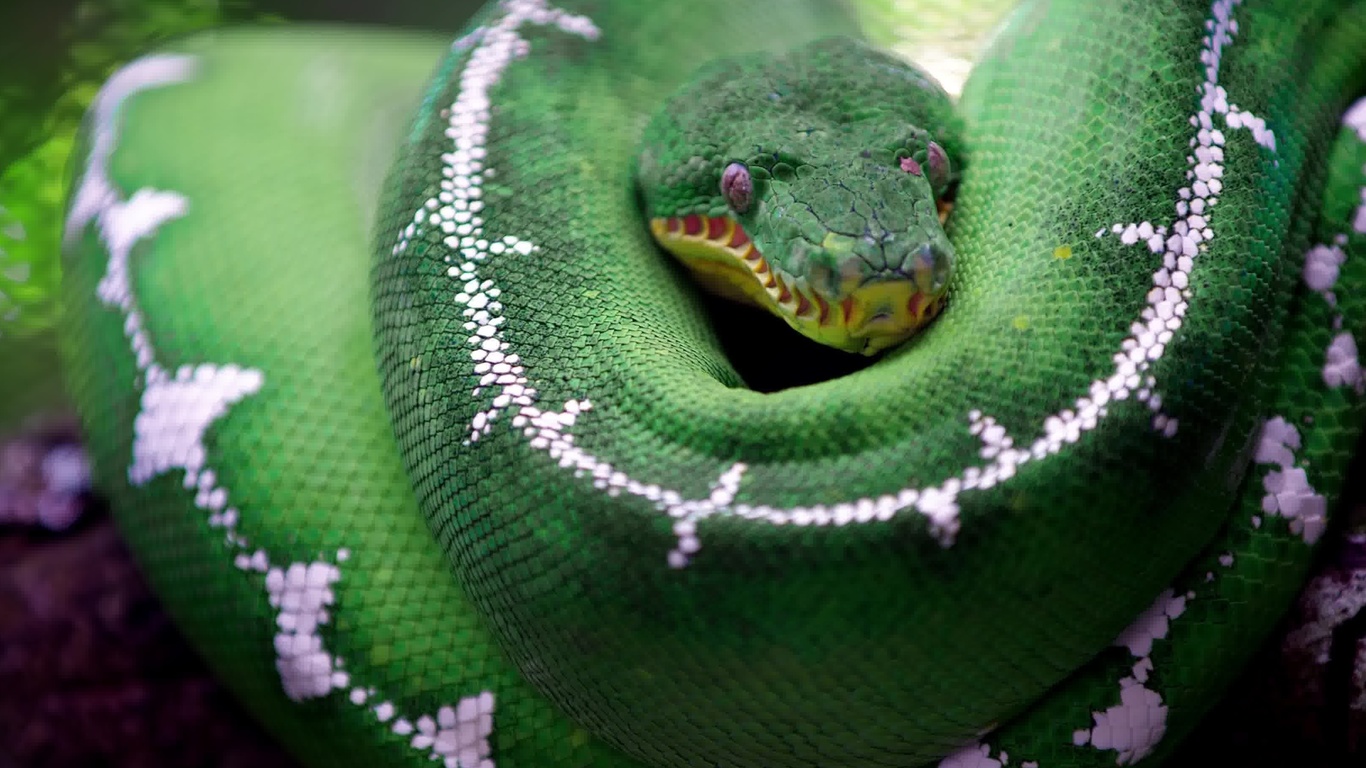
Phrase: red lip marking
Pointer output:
(824, 307)
(738, 237)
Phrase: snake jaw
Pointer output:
(874, 315)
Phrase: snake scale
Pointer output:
(436, 456)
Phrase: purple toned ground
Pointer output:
(92, 671)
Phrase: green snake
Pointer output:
(436, 455)
(807, 184)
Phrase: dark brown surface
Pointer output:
(1302, 701)
(93, 673)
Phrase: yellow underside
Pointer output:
(866, 318)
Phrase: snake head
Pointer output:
(778, 184)
(854, 227)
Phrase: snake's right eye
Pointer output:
(938, 161)
(737, 187)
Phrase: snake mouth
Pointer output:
(865, 318)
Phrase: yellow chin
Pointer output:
(868, 319)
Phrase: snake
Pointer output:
(399, 364)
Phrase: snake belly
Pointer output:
(574, 537)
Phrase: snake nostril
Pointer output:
(943, 264)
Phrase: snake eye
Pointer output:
(737, 187)
(938, 161)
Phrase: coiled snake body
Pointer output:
(1047, 530)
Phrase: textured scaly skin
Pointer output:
(937, 559)
(806, 184)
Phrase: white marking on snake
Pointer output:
(96, 194)
(975, 755)
(458, 735)
(1135, 726)
(1322, 265)
(303, 594)
(688, 512)
(1355, 118)
(455, 210)
(1181, 244)
(1288, 492)
(1341, 365)
(176, 411)
(1160, 319)
(1152, 625)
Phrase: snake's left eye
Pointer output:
(737, 187)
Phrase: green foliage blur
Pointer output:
(53, 57)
